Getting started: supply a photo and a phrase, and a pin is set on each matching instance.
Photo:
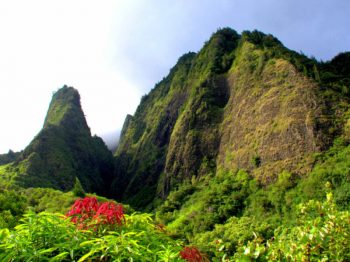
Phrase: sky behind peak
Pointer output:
(114, 51)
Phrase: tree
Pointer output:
(78, 188)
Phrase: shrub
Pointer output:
(192, 254)
(88, 213)
(12, 206)
(322, 233)
(256, 161)
(41, 237)
(53, 237)
(78, 188)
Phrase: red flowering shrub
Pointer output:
(191, 254)
(87, 213)
(110, 213)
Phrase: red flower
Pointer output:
(84, 207)
(88, 213)
(191, 254)
(110, 213)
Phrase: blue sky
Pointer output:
(114, 51)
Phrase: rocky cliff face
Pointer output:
(272, 118)
(64, 149)
(142, 150)
(243, 102)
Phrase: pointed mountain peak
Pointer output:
(64, 149)
(226, 32)
(224, 39)
(65, 110)
(63, 101)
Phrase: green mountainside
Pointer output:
(63, 150)
(243, 102)
(241, 153)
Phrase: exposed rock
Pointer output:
(242, 102)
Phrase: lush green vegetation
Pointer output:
(230, 214)
(233, 104)
(55, 237)
(16, 202)
(12, 207)
(229, 217)
(321, 233)
(63, 150)
(242, 153)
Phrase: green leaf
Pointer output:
(60, 256)
(49, 250)
(4, 233)
(86, 256)
(89, 242)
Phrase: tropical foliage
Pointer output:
(107, 234)
(320, 234)
(241, 153)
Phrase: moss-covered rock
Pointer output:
(240, 99)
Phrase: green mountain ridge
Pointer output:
(64, 149)
(241, 153)
(9, 157)
(243, 102)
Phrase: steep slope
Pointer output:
(145, 136)
(243, 102)
(271, 121)
(63, 150)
